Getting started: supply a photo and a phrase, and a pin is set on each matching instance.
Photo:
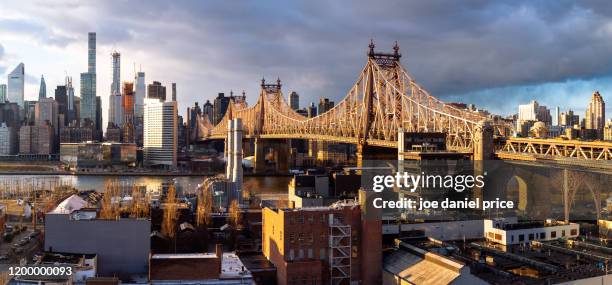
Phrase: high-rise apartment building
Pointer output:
(596, 114)
(294, 100)
(98, 118)
(8, 139)
(139, 94)
(533, 112)
(156, 91)
(312, 110)
(16, 83)
(115, 110)
(46, 110)
(2, 93)
(36, 139)
(568, 119)
(173, 91)
(160, 136)
(88, 84)
(128, 101)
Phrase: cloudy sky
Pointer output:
(493, 54)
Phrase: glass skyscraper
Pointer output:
(88, 83)
(16, 85)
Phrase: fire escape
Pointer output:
(339, 251)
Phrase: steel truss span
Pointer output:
(383, 100)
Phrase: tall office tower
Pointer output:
(91, 52)
(42, 91)
(557, 116)
(71, 115)
(88, 84)
(29, 111)
(16, 81)
(325, 105)
(312, 110)
(173, 91)
(156, 91)
(116, 65)
(220, 106)
(160, 140)
(2, 93)
(98, 118)
(192, 114)
(140, 94)
(8, 139)
(115, 110)
(207, 111)
(596, 114)
(128, 102)
(46, 112)
(294, 100)
(62, 101)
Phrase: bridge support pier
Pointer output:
(277, 148)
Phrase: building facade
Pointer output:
(16, 83)
(88, 83)
(156, 91)
(596, 115)
(294, 100)
(8, 139)
(220, 107)
(160, 136)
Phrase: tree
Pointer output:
(110, 209)
(170, 213)
(140, 205)
(204, 209)
(234, 217)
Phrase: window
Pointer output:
(491, 235)
(310, 253)
(498, 237)
(301, 237)
(322, 253)
(291, 254)
(553, 234)
(512, 238)
(542, 235)
(323, 218)
(281, 235)
(573, 232)
(530, 237)
(300, 219)
(521, 238)
(291, 237)
(562, 233)
(301, 254)
(311, 219)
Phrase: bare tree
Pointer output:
(140, 205)
(205, 203)
(170, 213)
(109, 208)
(234, 217)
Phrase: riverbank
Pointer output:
(118, 173)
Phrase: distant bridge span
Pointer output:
(383, 100)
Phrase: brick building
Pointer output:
(301, 242)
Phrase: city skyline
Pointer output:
(205, 57)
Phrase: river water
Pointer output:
(184, 184)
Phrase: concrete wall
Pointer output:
(122, 246)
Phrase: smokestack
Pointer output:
(237, 175)
(229, 156)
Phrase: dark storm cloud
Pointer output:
(318, 47)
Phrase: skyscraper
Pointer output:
(294, 100)
(115, 102)
(325, 105)
(2, 93)
(46, 112)
(207, 111)
(220, 106)
(116, 65)
(160, 133)
(156, 91)
(16, 81)
(173, 91)
(128, 102)
(139, 94)
(42, 91)
(596, 114)
(88, 84)
(71, 112)
(62, 101)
